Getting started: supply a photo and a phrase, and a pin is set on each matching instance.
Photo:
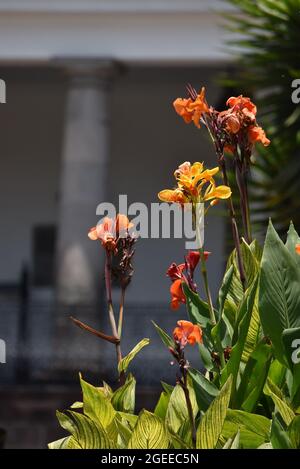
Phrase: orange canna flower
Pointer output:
(257, 134)
(110, 230)
(241, 103)
(177, 295)
(181, 106)
(298, 249)
(192, 110)
(187, 333)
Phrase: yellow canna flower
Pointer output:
(214, 192)
(195, 184)
(172, 195)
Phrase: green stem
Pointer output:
(203, 267)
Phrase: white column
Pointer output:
(83, 178)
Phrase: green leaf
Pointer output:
(124, 363)
(233, 443)
(211, 423)
(254, 332)
(254, 429)
(233, 365)
(291, 343)
(225, 289)
(149, 433)
(280, 403)
(166, 339)
(86, 433)
(279, 436)
(123, 399)
(77, 405)
(177, 413)
(63, 443)
(96, 405)
(205, 390)
(291, 241)
(253, 378)
(124, 432)
(198, 310)
(162, 405)
(279, 293)
(294, 432)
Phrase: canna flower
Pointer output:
(177, 295)
(191, 110)
(297, 249)
(239, 122)
(192, 180)
(183, 273)
(187, 333)
(257, 134)
(110, 230)
(241, 103)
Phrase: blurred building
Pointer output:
(88, 116)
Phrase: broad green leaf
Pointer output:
(77, 405)
(212, 422)
(162, 405)
(254, 332)
(96, 405)
(279, 292)
(198, 309)
(279, 436)
(233, 443)
(277, 373)
(233, 365)
(254, 429)
(86, 432)
(177, 413)
(124, 363)
(280, 403)
(294, 432)
(291, 241)
(250, 263)
(254, 377)
(123, 399)
(63, 443)
(124, 432)
(205, 390)
(225, 289)
(177, 441)
(149, 433)
(166, 339)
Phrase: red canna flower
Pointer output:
(193, 258)
(298, 249)
(175, 271)
(187, 333)
(183, 273)
(177, 295)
